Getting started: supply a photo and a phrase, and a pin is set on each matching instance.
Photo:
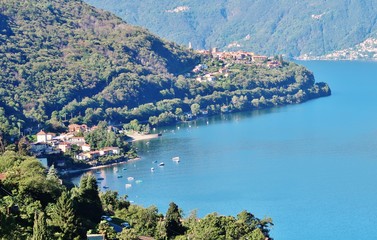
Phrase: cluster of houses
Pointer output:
(231, 57)
(48, 143)
(239, 56)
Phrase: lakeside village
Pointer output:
(60, 150)
(240, 57)
(70, 152)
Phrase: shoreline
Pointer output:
(133, 138)
(74, 171)
(138, 137)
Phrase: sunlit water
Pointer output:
(312, 167)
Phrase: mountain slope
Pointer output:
(285, 27)
(67, 61)
(53, 52)
(367, 50)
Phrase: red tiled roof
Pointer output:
(2, 176)
(41, 133)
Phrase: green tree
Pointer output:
(40, 231)
(160, 233)
(178, 111)
(173, 221)
(195, 109)
(128, 234)
(257, 234)
(52, 174)
(23, 146)
(143, 220)
(111, 201)
(62, 218)
(87, 203)
(107, 230)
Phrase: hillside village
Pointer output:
(48, 143)
(240, 57)
(366, 50)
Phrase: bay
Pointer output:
(311, 167)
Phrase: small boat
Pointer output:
(138, 181)
(161, 164)
(152, 169)
(155, 161)
(100, 178)
(119, 176)
(175, 159)
(130, 178)
(128, 185)
(105, 187)
(124, 169)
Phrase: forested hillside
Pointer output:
(67, 61)
(54, 52)
(287, 27)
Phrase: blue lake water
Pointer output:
(312, 167)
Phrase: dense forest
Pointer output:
(65, 61)
(293, 28)
(35, 205)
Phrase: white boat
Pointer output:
(152, 169)
(130, 178)
(161, 164)
(176, 159)
(128, 185)
(138, 181)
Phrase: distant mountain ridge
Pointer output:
(292, 28)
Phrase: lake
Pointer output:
(312, 167)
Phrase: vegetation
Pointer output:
(66, 61)
(34, 205)
(285, 27)
(82, 63)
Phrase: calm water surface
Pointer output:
(311, 167)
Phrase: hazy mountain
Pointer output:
(294, 28)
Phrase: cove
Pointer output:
(311, 167)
